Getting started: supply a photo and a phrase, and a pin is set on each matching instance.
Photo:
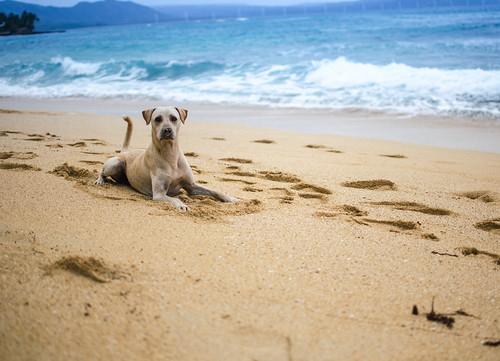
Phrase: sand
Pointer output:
(319, 261)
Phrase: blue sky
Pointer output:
(181, 2)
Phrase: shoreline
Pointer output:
(438, 131)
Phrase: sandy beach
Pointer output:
(333, 243)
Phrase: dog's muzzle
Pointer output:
(167, 133)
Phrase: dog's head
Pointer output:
(165, 121)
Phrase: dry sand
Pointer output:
(334, 242)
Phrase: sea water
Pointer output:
(437, 61)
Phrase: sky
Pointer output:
(181, 2)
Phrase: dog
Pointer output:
(160, 171)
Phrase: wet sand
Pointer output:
(334, 242)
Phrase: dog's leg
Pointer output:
(160, 189)
(197, 190)
(114, 167)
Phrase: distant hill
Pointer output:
(107, 12)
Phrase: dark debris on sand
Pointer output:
(446, 319)
(433, 316)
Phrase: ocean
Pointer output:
(437, 61)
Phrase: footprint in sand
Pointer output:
(490, 225)
(57, 145)
(287, 196)
(468, 251)
(35, 137)
(483, 196)
(316, 146)
(88, 267)
(73, 173)
(346, 211)
(375, 184)
(264, 141)
(396, 156)
(93, 153)
(5, 133)
(312, 196)
(237, 160)
(343, 210)
(430, 236)
(394, 225)
(95, 141)
(252, 189)
(191, 154)
(224, 179)
(277, 176)
(78, 144)
(18, 166)
(241, 173)
(320, 146)
(310, 187)
(18, 155)
(195, 169)
(414, 207)
(91, 162)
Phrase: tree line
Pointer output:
(17, 24)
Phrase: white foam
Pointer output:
(75, 68)
(337, 83)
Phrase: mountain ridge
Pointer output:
(85, 14)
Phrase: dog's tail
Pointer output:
(128, 134)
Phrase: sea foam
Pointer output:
(328, 83)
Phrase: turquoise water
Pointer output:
(413, 62)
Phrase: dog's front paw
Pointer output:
(100, 181)
(183, 208)
(180, 205)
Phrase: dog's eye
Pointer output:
(158, 119)
(173, 118)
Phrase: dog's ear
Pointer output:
(146, 114)
(183, 113)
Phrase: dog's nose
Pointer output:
(166, 131)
